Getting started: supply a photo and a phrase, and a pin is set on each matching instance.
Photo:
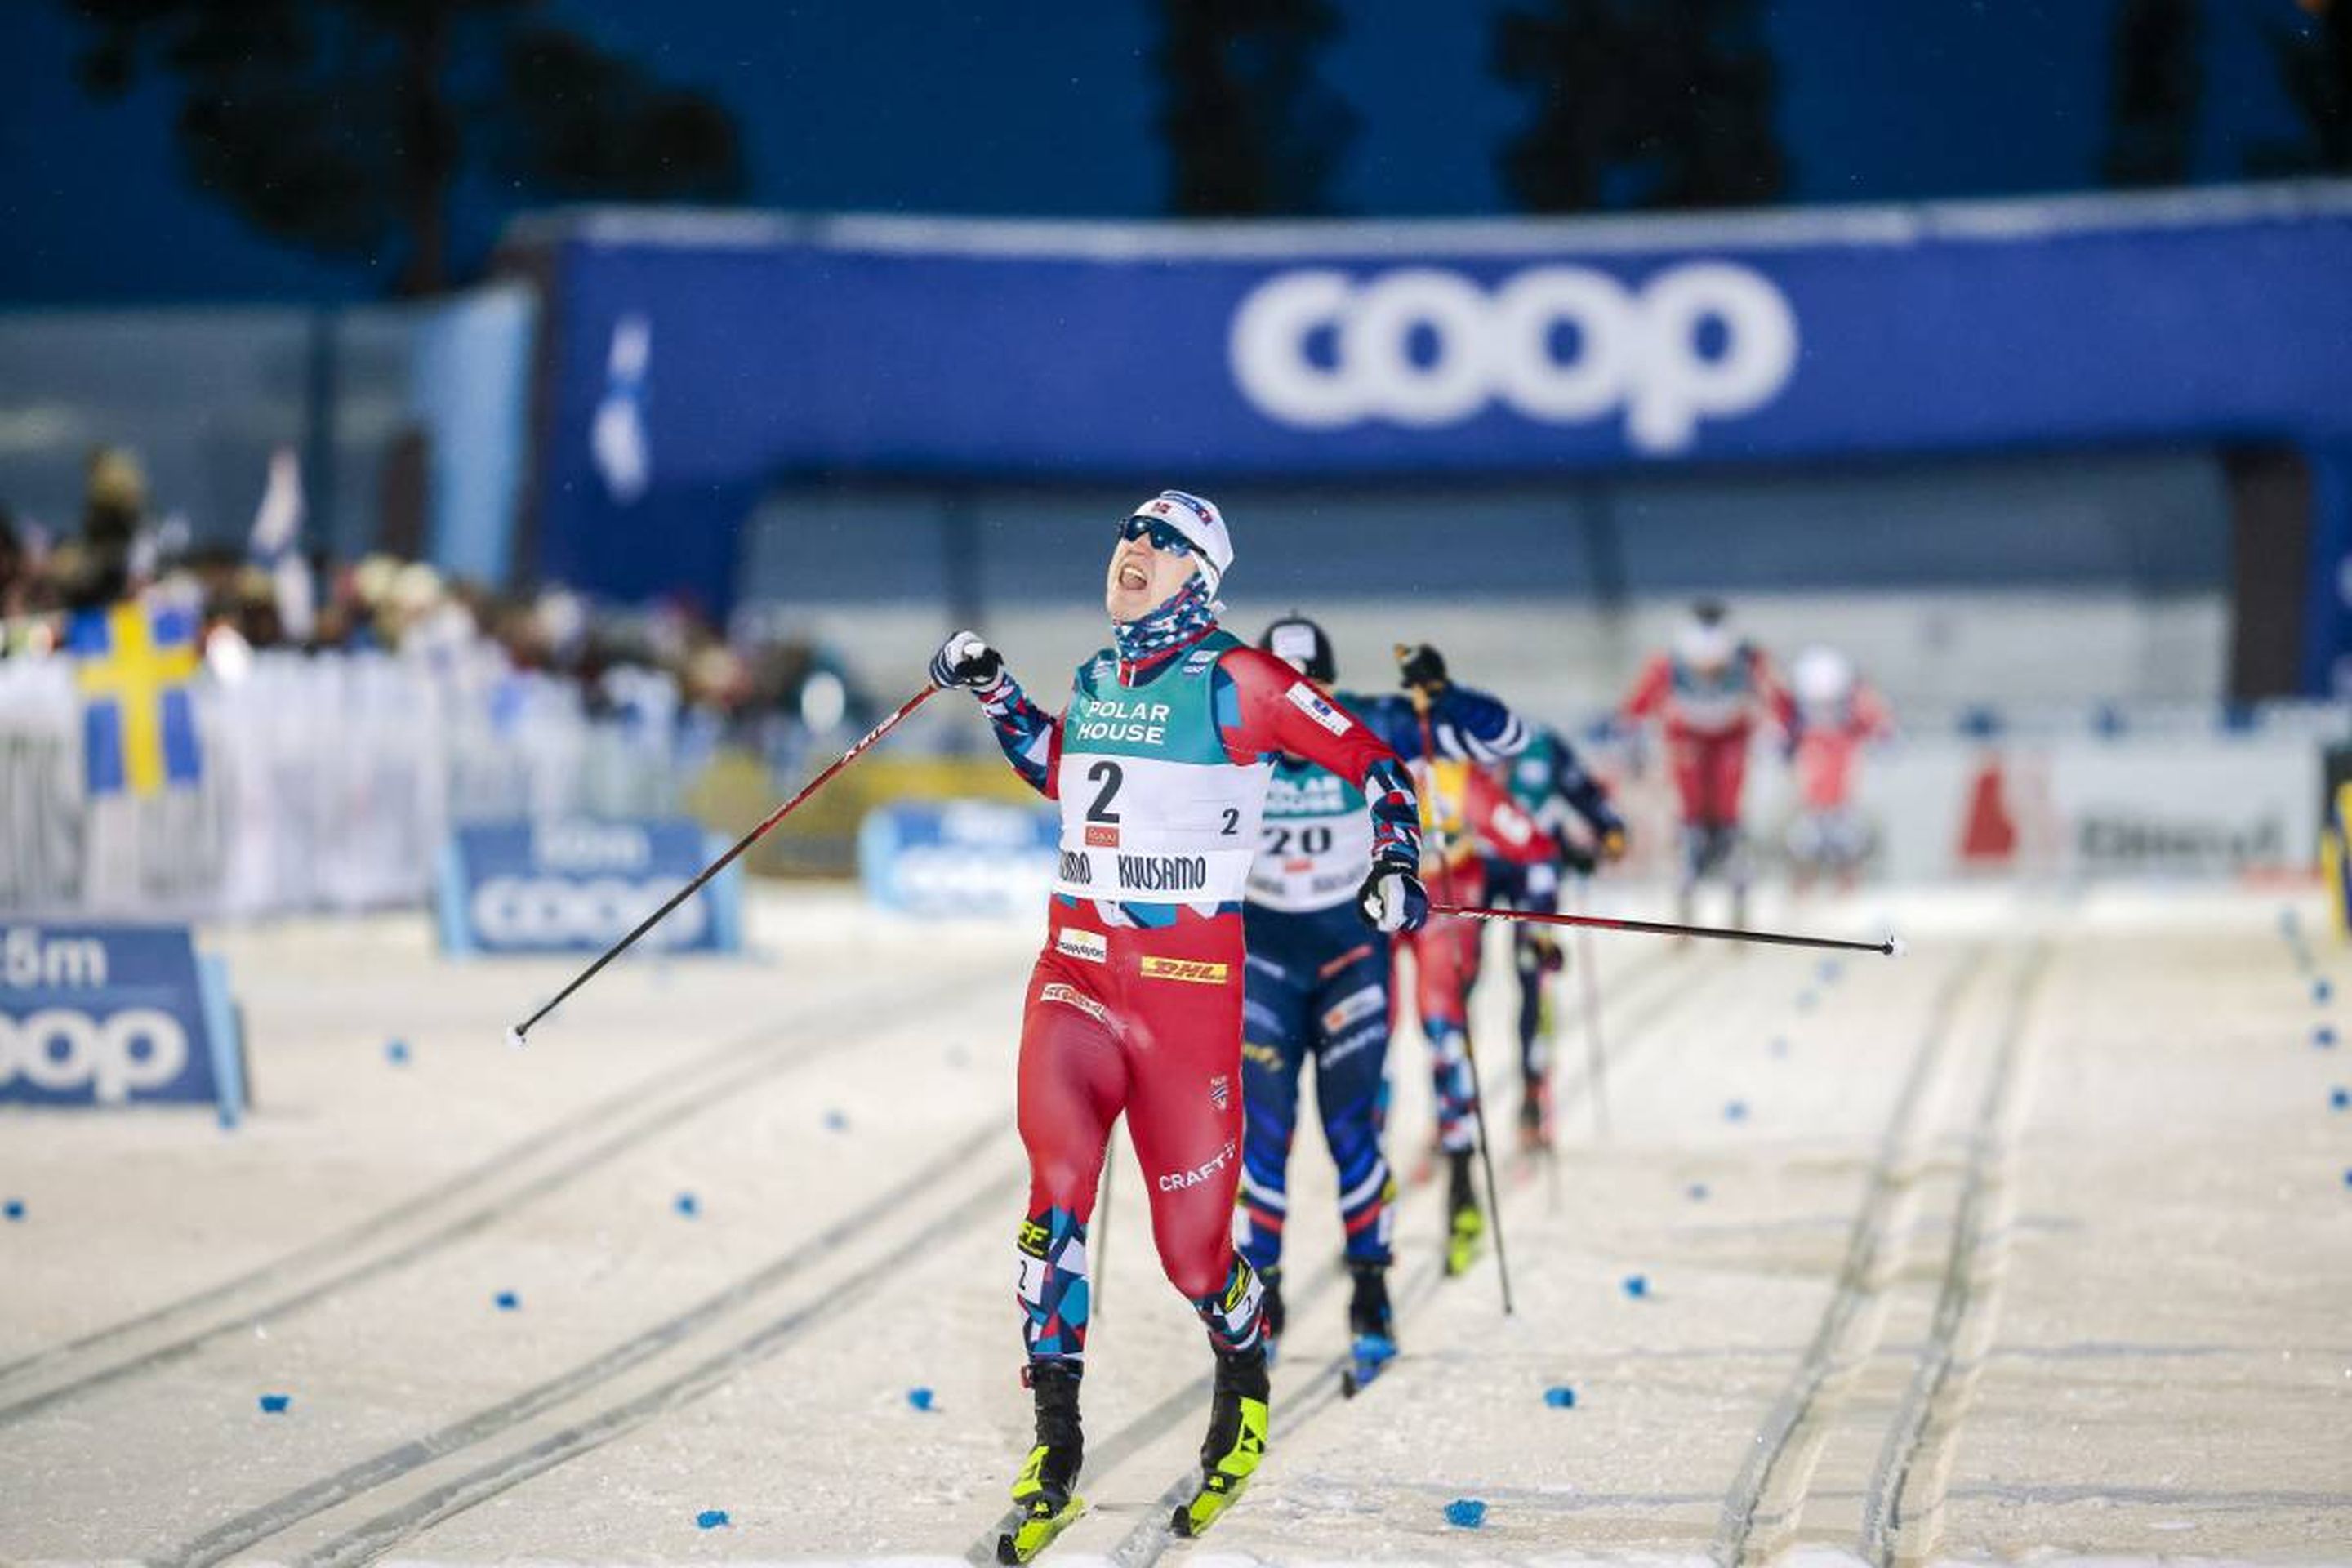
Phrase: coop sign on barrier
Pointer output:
(115, 1015)
(580, 887)
(958, 858)
(1426, 347)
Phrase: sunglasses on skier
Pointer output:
(1161, 533)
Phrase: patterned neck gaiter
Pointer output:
(1184, 619)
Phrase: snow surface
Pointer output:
(2033, 1247)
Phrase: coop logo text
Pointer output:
(555, 911)
(1423, 347)
(114, 1059)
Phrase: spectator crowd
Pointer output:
(667, 660)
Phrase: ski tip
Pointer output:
(1893, 946)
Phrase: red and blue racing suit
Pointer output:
(1135, 1005)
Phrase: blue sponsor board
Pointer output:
(1213, 353)
(957, 857)
(111, 1015)
(580, 887)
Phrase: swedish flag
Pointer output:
(134, 663)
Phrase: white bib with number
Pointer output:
(1316, 843)
(1153, 810)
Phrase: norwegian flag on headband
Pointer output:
(1199, 520)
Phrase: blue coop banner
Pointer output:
(103, 1016)
(580, 887)
(699, 359)
(958, 857)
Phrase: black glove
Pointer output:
(1423, 669)
(965, 660)
(1392, 899)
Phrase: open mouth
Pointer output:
(1133, 577)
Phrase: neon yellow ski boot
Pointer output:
(1045, 1489)
(1465, 1226)
(1237, 1429)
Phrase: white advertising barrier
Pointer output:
(328, 782)
(2193, 806)
(2176, 802)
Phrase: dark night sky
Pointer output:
(1045, 107)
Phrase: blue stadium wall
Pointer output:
(695, 362)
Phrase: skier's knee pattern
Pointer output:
(1053, 1285)
(1235, 1314)
(1449, 1071)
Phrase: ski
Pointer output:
(1217, 1493)
(1039, 1528)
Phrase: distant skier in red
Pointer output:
(1837, 715)
(1161, 761)
(1710, 693)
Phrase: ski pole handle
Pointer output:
(515, 1035)
(1892, 946)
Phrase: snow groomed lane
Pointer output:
(2022, 1246)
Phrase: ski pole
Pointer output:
(1892, 946)
(1469, 1049)
(1596, 1054)
(515, 1035)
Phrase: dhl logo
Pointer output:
(1191, 970)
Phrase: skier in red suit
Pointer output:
(1159, 760)
(1837, 715)
(1710, 693)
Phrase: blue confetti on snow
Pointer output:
(2324, 1037)
(508, 1300)
(1466, 1514)
(1736, 1111)
(2337, 1099)
(687, 1204)
(396, 1052)
(1637, 1286)
(711, 1519)
(1560, 1398)
(834, 1122)
(13, 1208)
(275, 1404)
(1697, 1192)
(920, 1398)
(1831, 971)
(2321, 991)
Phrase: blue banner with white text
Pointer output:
(698, 361)
(114, 1016)
(958, 857)
(580, 887)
